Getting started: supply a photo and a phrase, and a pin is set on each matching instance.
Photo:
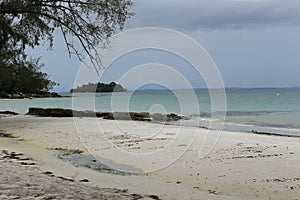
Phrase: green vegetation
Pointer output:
(23, 78)
(99, 87)
(84, 25)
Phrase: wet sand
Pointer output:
(241, 166)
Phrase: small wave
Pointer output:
(270, 129)
(241, 113)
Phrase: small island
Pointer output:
(99, 87)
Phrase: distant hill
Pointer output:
(99, 87)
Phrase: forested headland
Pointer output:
(24, 79)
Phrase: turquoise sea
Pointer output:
(275, 111)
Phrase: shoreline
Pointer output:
(241, 166)
(33, 95)
(167, 119)
(260, 130)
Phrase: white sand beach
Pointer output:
(241, 166)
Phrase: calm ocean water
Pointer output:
(274, 111)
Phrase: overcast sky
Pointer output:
(255, 43)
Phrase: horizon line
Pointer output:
(226, 88)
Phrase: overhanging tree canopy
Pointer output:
(83, 23)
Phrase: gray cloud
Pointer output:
(215, 14)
